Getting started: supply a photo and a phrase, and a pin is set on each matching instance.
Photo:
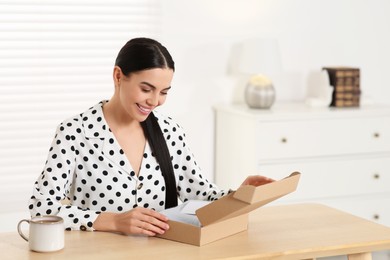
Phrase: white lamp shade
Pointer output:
(259, 56)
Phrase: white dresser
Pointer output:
(342, 153)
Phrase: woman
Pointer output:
(120, 162)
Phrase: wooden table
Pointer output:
(301, 231)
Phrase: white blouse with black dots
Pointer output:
(87, 166)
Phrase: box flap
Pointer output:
(251, 194)
(246, 199)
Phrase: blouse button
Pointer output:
(140, 186)
(83, 228)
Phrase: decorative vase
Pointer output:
(259, 92)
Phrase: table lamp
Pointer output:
(261, 59)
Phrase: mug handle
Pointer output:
(19, 228)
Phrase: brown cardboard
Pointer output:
(229, 214)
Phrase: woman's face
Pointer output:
(141, 92)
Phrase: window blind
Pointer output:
(56, 60)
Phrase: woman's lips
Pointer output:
(144, 110)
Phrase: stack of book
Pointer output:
(346, 84)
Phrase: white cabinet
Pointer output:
(342, 153)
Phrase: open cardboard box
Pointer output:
(229, 214)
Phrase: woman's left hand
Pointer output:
(257, 180)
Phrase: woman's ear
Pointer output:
(117, 75)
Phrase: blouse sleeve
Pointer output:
(191, 184)
(54, 184)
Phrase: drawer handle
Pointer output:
(376, 176)
(284, 140)
(376, 216)
(376, 135)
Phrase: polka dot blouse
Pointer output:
(87, 166)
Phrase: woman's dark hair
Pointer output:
(142, 54)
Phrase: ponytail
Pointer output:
(159, 147)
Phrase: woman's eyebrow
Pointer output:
(152, 86)
(148, 84)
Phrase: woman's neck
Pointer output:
(117, 118)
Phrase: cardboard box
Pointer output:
(229, 214)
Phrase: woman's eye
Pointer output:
(146, 90)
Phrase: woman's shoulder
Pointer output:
(167, 123)
(92, 114)
(163, 118)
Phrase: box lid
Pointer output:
(246, 199)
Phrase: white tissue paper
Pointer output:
(185, 212)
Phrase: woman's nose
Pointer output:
(153, 100)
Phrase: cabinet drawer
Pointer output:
(373, 208)
(334, 178)
(324, 137)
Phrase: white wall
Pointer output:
(311, 34)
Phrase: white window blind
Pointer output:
(56, 60)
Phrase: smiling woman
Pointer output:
(121, 162)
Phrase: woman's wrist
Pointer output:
(105, 222)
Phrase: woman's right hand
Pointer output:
(138, 221)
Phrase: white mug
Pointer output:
(46, 233)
